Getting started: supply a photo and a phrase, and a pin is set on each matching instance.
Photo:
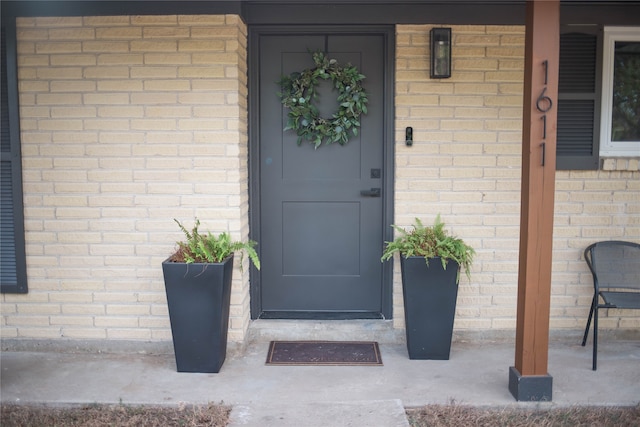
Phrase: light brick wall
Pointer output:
(127, 123)
(465, 164)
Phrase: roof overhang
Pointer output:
(309, 12)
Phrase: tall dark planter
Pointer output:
(430, 294)
(198, 296)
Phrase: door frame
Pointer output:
(388, 34)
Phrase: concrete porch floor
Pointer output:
(477, 375)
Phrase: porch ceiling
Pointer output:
(307, 12)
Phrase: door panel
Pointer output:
(334, 225)
(320, 238)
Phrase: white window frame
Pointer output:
(609, 148)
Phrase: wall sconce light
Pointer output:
(440, 53)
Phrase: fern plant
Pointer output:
(430, 242)
(210, 248)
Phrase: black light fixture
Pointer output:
(440, 53)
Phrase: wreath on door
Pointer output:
(299, 92)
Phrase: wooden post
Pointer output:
(529, 379)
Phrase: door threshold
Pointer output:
(320, 315)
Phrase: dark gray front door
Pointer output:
(320, 238)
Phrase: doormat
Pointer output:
(324, 353)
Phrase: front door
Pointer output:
(320, 220)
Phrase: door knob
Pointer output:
(374, 192)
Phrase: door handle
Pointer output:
(374, 192)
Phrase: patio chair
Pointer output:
(615, 267)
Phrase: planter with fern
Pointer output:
(431, 261)
(197, 281)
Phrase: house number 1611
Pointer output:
(544, 104)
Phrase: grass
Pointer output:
(217, 415)
(211, 415)
(455, 415)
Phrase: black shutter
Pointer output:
(578, 102)
(13, 275)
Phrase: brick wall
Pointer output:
(465, 164)
(127, 123)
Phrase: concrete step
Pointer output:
(388, 413)
(382, 331)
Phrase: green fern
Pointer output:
(430, 242)
(210, 248)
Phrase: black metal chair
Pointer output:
(615, 267)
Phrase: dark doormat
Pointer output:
(347, 353)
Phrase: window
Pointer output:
(620, 119)
(13, 270)
(598, 96)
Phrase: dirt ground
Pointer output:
(457, 415)
(212, 415)
(217, 415)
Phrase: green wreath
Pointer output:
(299, 91)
